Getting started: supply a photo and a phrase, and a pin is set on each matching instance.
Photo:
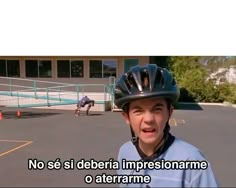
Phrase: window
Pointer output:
(13, 68)
(128, 63)
(77, 68)
(38, 68)
(67, 68)
(3, 68)
(45, 68)
(63, 68)
(102, 68)
(10, 68)
(95, 67)
(109, 68)
(31, 68)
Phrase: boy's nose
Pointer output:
(148, 117)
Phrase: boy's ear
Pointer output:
(126, 116)
(171, 110)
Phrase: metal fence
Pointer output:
(18, 92)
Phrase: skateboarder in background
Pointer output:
(82, 103)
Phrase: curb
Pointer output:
(227, 104)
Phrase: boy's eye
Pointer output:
(157, 109)
(137, 111)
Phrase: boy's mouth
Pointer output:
(148, 130)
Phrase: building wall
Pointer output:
(86, 79)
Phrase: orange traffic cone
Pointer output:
(1, 116)
(18, 113)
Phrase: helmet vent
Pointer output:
(127, 83)
(145, 79)
(130, 80)
(162, 81)
(173, 82)
(159, 81)
(158, 76)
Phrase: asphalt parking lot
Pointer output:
(53, 135)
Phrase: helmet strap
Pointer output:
(134, 138)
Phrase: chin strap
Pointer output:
(168, 140)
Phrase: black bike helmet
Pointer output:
(149, 81)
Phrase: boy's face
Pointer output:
(148, 118)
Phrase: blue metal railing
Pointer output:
(60, 93)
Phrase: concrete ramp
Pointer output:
(56, 96)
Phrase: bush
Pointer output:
(192, 76)
(211, 92)
(194, 84)
(227, 93)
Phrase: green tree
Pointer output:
(227, 93)
(191, 76)
(211, 92)
(194, 80)
(179, 65)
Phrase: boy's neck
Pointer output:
(149, 149)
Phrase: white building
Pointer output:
(223, 75)
(231, 75)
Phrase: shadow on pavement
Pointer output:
(190, 106)
(95, 114)
(25, 115)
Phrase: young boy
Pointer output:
(146, 94)
(82, 103)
